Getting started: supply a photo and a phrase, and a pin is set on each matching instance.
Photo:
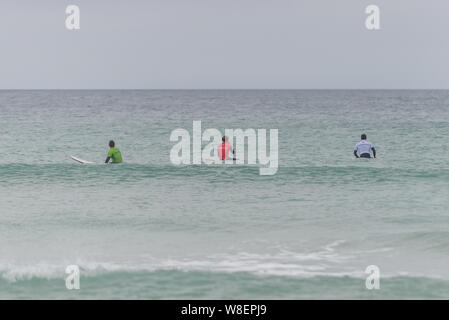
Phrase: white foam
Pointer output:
(283, 262)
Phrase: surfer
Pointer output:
(114, 153)
(364, 148)
(224, 148)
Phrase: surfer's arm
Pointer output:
(355, 154)
(374, 152)
(107, 159)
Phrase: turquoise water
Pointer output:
(149, 229)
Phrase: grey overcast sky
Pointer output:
(188, 44)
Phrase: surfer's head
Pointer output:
(224, 139)
(111, 144)
(363, 136)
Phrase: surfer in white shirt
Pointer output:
(363, 148)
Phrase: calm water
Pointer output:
(148, 229)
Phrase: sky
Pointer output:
(227, 44)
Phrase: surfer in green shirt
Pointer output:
(114, 154)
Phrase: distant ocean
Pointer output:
(147, 229)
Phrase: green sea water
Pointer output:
(148, 229)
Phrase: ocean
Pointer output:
(148, 229)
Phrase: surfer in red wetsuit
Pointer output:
(224, 149)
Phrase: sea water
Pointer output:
(148, 229)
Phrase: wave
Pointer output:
(26, 173)
(281, 275)
(435, 240)
(274, 261)
(281, 263)
(16, 173)
(178, 284)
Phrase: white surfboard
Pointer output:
(81, 160)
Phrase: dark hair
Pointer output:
(111, 144)
(224, 138)
(363, 137)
